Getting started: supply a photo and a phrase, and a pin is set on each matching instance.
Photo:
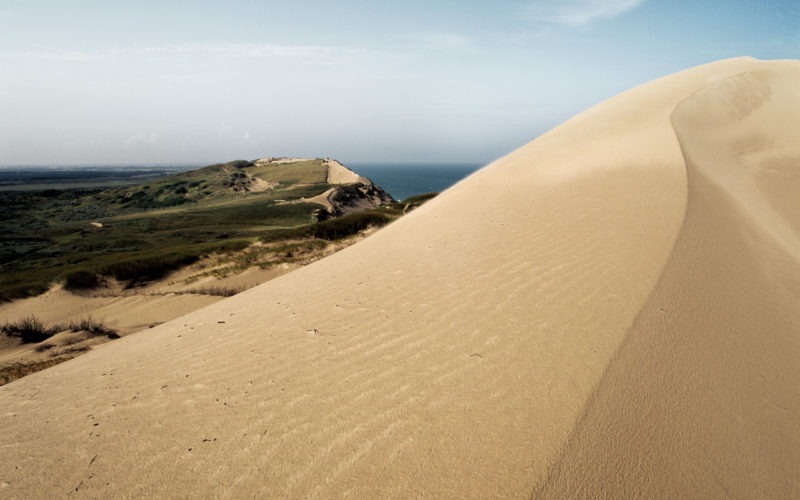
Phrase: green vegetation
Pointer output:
(82, 280)
(419, 199)
(287, 174)
(146, 269)
(350, 224)
(140, 233)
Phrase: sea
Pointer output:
(405, 180)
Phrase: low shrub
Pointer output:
(82, 280)
(14, 371)
(217, 291)
(348, 225)
(93, 327)
(419, 199)
(30, 329)
(19, 290)
(333, 229)
(347, 193)
(239, 164)
(147, 268)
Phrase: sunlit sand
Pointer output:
(610, 311)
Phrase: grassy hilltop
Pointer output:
(142, 232)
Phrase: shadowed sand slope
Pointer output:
(703, 397)
(571, 320)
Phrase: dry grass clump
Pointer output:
(14, 371)
(31, 329)
(217, 291)
(93, 327)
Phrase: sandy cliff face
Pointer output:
(339, 174)
(350, 193)
(608, 311)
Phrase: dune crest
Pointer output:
(608, 310)
(703, 396)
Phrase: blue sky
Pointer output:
(99, 82)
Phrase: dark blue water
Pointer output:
(405, 180)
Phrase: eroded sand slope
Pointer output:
(610, 309)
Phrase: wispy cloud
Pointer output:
(141, 139)
(239, 50)
(230, 50)
(50, 55)
(441, 40)
(576, 12)
(227, 133)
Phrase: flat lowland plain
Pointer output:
(143, 231)
(610, 311)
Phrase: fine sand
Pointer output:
(130, 310)
(609, 311)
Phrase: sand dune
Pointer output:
(608, 311)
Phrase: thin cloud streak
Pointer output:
(240, 50)
(576, 13)
(232, 50)
(141, 139)
(441, 40)
(51, 55)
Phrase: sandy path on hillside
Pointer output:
(569, 321)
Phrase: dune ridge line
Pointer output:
(601, 320)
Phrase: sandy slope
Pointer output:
(125, 314)
(606, 311)
(128, 311)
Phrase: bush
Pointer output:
(334, 229)
(18, 370)
(147, 269)
(30, 329)
(419, 199)
(82, 280)
(347, 193)
(18, 290)
(217, 291)
(239, 164)
(348, 225)
(93, 327)
(51, 193)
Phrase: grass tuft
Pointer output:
(30, 329)
(93, 327)
(14, 371)
(216, 291)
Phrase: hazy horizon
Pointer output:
(100, 165)
(165, 83)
